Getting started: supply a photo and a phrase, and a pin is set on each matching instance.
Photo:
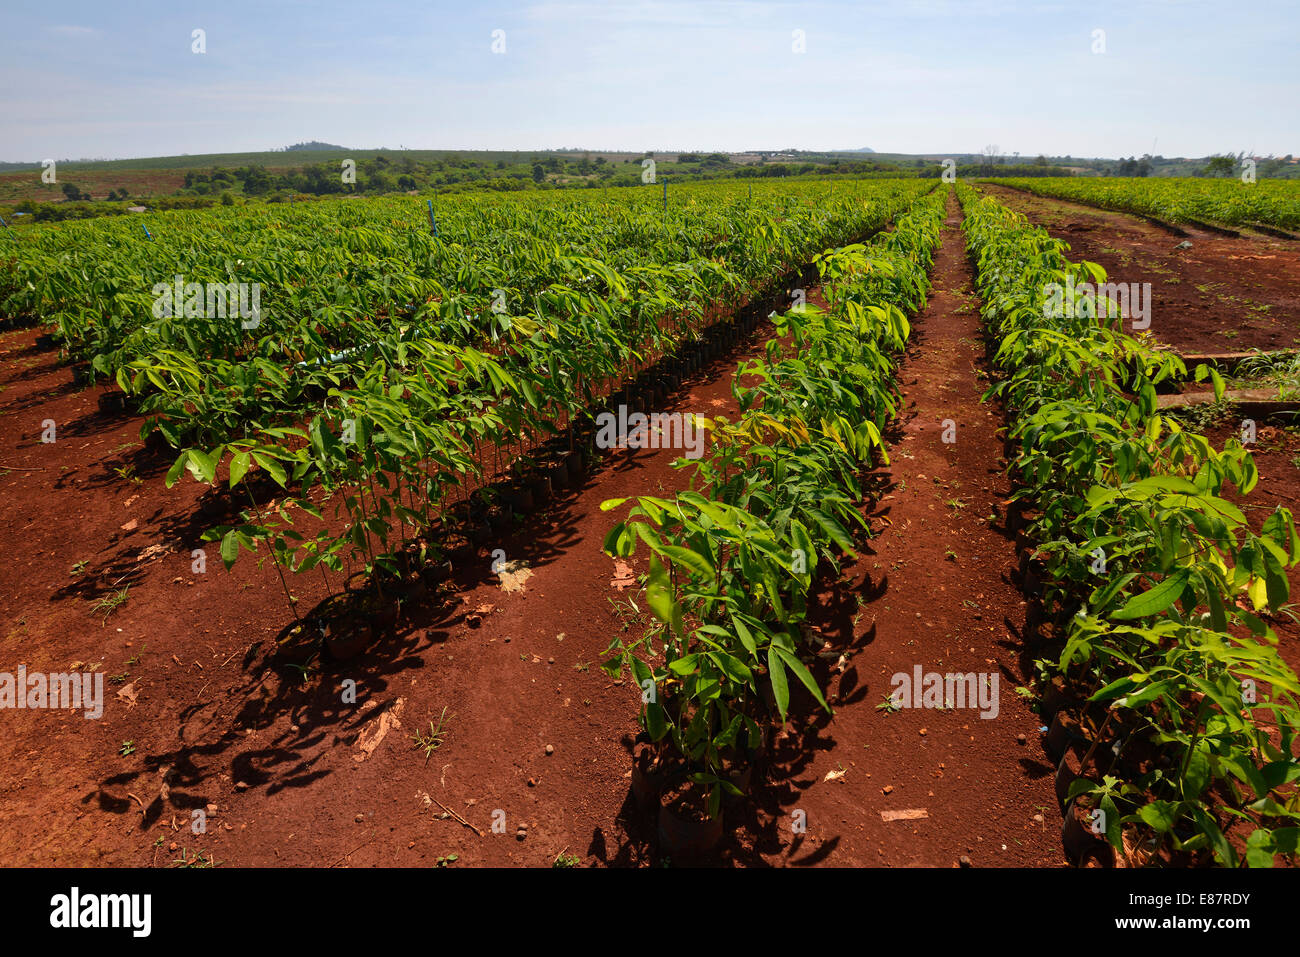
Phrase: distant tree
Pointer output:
(539, 172)
(1133, 167)
(72, 193)
(1219, 166)
(257, 181)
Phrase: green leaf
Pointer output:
(174, 472)
(834, 530)
(802, 673)
(273, 468)
(239, 465)
(1154, 600)
(776, 673)
(692, 560)
(1160, 815)
(659, 592)
(230, 547)
(202, 466)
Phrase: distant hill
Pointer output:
(313, 145)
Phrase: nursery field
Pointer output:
(728, 524)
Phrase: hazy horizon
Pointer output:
(1167, 77)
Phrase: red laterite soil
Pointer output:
(1221, 295)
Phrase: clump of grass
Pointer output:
(110, 603)
(196, 859)
(1278, 369)
(432, 740)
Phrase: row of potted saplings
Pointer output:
(1140, 690)
(723, 632)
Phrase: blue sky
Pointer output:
(1178, 77)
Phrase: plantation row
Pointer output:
(1229, 202)
(733, 559)
(1155, 579)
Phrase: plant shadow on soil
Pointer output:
(275, 682)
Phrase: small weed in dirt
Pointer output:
(196, 859)
(447, 860)
(303, 672)
(437, 734)
(76, 570)
(128, 748)
(127, 474)
(581, 666)
(888, 705)
(1289, 611)
(566, 860)
(110, 603)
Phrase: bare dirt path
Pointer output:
(1220, 295)
(934, 593)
